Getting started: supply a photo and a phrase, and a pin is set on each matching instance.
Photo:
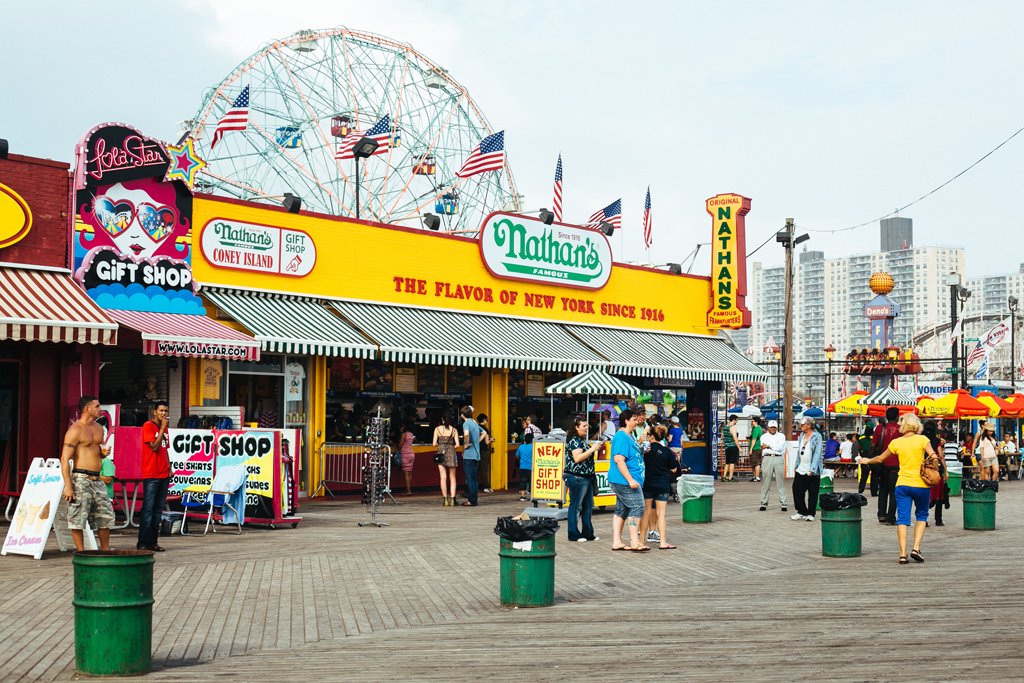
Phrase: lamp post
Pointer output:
(953, 280)
(1011, 303)
(963, 294)
(830, 352)
(776, 352)
(363, 150)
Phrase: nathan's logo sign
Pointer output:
(15, 217)
(728, 261)
(524, 248)
(259, 248)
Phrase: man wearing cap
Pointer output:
(807, 478)
(773, 446)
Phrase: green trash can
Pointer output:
(113, 599)
(825, 485)
(840, 533)
(955, 481)
(979, 510)
(698, 510)
(528, 572)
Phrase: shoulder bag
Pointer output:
(930, 471)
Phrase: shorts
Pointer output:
(524, 479)
(921, 498)
(755, 457)
(732, 455)
(989, 462)
(90, 505)
(628, 502)
(657, 495)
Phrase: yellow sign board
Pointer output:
(728, 261)
(15, 217)
(362, 261)
(546, 481)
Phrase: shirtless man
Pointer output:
(85, 493)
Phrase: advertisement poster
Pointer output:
(37, 507)
(256, 449)
(534, 384)
(548, 462)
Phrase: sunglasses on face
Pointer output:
(157, 220)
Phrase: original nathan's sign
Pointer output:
(259, 248)
(524, 248)
(728, 261)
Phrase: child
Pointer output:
(525, 455)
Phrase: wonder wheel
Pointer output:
(310, 93)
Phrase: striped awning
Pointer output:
(189, 336)
(47, 306)
(887, 396)
(289, 324)
(423, 335)
(668, 356)
(595, 381)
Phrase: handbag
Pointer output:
(439, 457)
(930, 471)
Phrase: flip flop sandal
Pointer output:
(916, 556)
(622, 548)
(666, 547)
(641, 549)
(904, 560)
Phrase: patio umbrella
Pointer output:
(999, 407)
(958, 403)
(594, 381)
(849, 405)
(814, 412)
(880, 400)
(1016, 400)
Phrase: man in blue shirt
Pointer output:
(470, 455)
(626, 479)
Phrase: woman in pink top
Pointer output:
(408, 457)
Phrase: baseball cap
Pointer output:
(675, 419)
(773, 423)
(807, 420)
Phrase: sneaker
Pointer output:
(757, 478)
(785, 509)
(752, 479)
(653, 536)
(522, 499)
(809, 518)
(581, 540)
(762, 508)
(796, 517)
(595, 538)
(488, 491)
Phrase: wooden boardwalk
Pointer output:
(747, 597)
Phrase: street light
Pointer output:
(363, 150)
(963, 294)
(776, 352)
(830, 351)
(953, 280)
(1011, 303)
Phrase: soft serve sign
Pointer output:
(524, 248)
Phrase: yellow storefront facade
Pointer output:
(350, 310)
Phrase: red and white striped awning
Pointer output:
(46, 305)
(195, 336)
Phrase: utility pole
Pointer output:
(786, 238)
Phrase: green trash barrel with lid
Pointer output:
(980, 504)
(825, 485)
(841, 524)
(113, 599)
(527, 561)
(697, 494)
(954, 483)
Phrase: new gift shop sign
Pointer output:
(524, 248)
(728, 261)
(259, 248)
(548, 463)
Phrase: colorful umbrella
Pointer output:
(1016, 400)
(999, 407)
(850, 405)
(958, 403)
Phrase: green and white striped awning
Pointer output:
(595, 381)
(289, 324)
(887, 396)
(424, 335)
(668, 356)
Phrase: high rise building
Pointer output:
(829, 295)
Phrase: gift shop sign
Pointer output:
(524, 248)
(258, 248)
(728, 261)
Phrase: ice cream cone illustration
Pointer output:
(19, 518)
(45, 514)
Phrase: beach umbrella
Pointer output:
(999, 407)
(1016, 400)
(594, 381)
(849, 405)
(880, 400)
(958, 403)
(814, 412)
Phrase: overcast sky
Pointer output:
(832, 113)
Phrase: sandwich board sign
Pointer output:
(37, 510)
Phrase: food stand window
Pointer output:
(134, 380)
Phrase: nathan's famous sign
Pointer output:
(524, 248)
(728, 261)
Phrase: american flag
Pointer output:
(380, 131)
(610, 214)
(647, 220)
(558, 189)
(489, 155)
(236, 118)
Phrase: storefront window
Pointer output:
(430, 379)
(460, 381)
(345, 374)
(377, 376)
(134, 381)
(214, 380)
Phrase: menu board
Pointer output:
(430, 379)
(405, 379)
(377, 375)
(346, 374)
(534, 384)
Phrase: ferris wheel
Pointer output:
(311, 95)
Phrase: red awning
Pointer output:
(195, 336)
(46, 305)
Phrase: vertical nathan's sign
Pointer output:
(728, 261)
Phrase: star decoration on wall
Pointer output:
(185, 163)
